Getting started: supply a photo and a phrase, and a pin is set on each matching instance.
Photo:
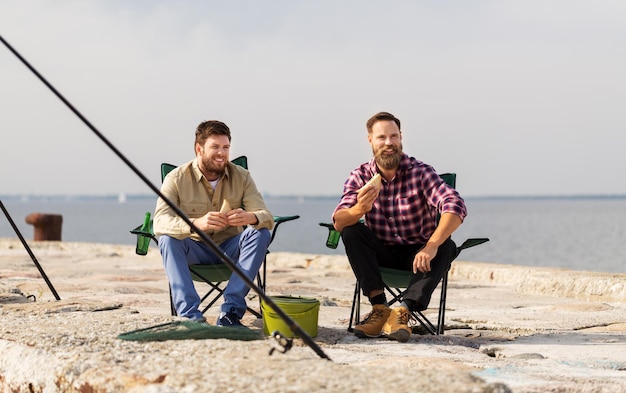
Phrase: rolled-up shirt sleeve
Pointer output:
(442, 196)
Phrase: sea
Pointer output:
(580, 233)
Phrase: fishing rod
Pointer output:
(30, 252)
(295, 328)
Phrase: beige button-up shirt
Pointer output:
(188, 189)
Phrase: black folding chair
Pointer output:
(396, 281)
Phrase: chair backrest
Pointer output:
(166, 168)
(242, 161)
(450, 179)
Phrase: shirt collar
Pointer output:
(198, 173)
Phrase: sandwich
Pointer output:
(375, 181)
(225, 207)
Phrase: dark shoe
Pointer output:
(230, 319)
(373, 324)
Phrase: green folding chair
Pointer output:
(396, 281)
(215, 276)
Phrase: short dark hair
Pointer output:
(211, 127)
(379, 117)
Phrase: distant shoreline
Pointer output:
(142, 197)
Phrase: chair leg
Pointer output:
(426, 324)
(254, 312)
(397, 295)
(442, 305)
(220, 294)
(172, 308)
(261, 282)
(215, 286)
(355, 313)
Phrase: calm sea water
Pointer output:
(575, 233)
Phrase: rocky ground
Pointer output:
(508, 329)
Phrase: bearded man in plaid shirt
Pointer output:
(395, 225)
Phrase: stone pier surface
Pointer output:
(508, 329)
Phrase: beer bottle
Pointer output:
(143, 239)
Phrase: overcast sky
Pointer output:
(516, 97)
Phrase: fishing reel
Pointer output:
(284, 343)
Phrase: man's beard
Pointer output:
(387, 161)
(210, 167)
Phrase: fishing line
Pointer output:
(295, 328)
(29, 251)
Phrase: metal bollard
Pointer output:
(47, 226)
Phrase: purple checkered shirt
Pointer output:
(405, 211)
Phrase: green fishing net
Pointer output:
(186, 330)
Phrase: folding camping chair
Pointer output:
(215, 276)
(396, 281)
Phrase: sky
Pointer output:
(519, 98)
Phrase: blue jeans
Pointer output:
(247, 249)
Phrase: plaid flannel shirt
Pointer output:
(406, 209)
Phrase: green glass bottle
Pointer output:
(333, 238)
(143, 241)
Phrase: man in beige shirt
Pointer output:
(201, 188)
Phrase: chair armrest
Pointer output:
(137, 231)
(470, 243)
(279, 220)
(332, 241)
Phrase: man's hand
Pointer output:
(422, 259)
(366, 197)
(216, 221)
(448, 223)
(212, 221)
(240, 217)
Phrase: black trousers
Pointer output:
(366, 253)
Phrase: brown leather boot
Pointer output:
(397, 325)
(373, 324)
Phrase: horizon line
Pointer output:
(136, 196)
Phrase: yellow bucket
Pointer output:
(304, 311)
